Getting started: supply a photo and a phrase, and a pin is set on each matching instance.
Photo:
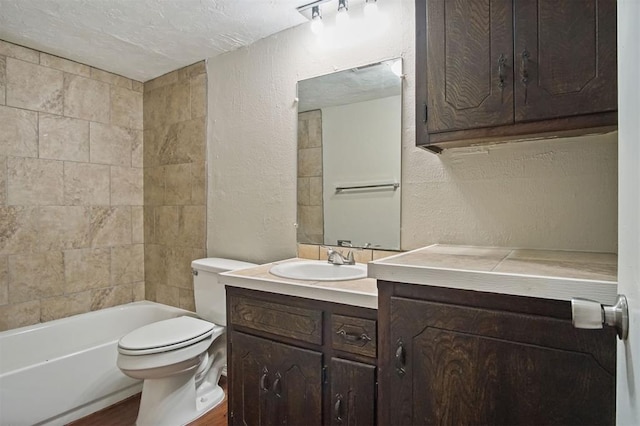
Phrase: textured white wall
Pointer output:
(546, 194)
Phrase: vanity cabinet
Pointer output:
(490, 70)
(452, 356)
(295, 361)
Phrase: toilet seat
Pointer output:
(164, 336)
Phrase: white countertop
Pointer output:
(362, 292)
(547, 274)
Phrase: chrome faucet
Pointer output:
(336, 258)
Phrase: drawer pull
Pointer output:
(263, 380)
(337, 408)
(353, 337)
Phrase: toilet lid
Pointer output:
(166, 335)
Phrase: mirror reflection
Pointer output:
(349, 145)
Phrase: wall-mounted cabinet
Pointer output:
(492, 70)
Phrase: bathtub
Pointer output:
(62, 370)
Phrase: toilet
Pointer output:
(181, 359)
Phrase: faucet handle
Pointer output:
(350, 259)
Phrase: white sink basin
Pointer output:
(319, 270)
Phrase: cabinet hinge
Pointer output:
(324, 375)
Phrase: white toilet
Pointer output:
(181, 359)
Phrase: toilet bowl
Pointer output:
(181, 359)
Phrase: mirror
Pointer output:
(349, 146)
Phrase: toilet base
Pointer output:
(174, 400)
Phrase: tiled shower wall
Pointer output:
(174, 183)
(310, 208)
(71, 188)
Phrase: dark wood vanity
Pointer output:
(298, 361)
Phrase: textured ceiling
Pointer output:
(143, 39)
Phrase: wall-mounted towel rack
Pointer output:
(394, 185)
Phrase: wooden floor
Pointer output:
(125, 412)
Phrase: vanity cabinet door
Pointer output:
(352, 393)
(274, 383)
(462, 365)
(565, 58)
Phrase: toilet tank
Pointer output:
(208, 290)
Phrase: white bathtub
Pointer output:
(62, 370)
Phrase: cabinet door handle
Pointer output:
(524, 72)
(353, 337)
(264, 387)
(337, 408)
(401, 359)
(502, 60)
(277, 385)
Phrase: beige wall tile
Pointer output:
(113, 296)
(167, 105)
(126, 186)
(178, 269)
(18, 52)
(34, 87)
(111, 144)
(166, 225)
(4, 280)
(168, 295)
(86, 269)
(35, 276)
(153, 186)
(310, 162)
(307, 251)
(192, 230)
(137, 86)
(63, 138)
(62, 228)
(3, 79)
(86, 184)
(18, 229)
(192, 70)
(3, 180)
(361, 256)
(199, 183)
(86, 98)
(187, 300)
(127, 264)
(315, 191)
(65, 306)
(155, 265)
(151, 146)
(137, 224)
(381, 254)
(303, 191)
(18, 132)
(137, 149)
(310, 219)
(19, 315)
(177, 184)
(182, 142)
(163, 80)
(65, 65)
(126, 108)
(110, 226)
(107, 77)
(138, 291)
(32, 181)
(199, 96)
(149, 225)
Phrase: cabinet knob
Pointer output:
(337, 408)
(590, 314)
(277, 386)
(264, 386)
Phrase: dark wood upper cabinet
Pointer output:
(490, 70)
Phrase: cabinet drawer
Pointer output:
(288, 321)
(355, 335)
